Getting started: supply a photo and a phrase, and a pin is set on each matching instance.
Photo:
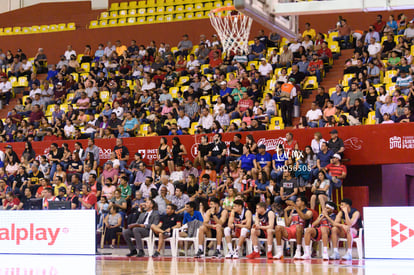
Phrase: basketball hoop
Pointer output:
(233, 28)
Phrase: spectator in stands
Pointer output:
(388, 107)
(336, 144)
(309, 31)
(314, 115)
(335, 172)
(206, 120)
(408, 115)
(263, 162)
(404, 82)
(218, 152)
(265, 69)
(141, 175)
(353, 94)
(40, 61)
(184, 46)
(374, 47)
(235, 149)
(324, 52)
(323, 158)
(288, 189)
(141, 228)
(258, 50)
(5, 89)
(409, 32)
(372, 33)
(69, 52)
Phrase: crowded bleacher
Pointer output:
(119, 91)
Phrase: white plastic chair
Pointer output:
(171, 240)
(358, 242)
(148, 241)
(246, 243)
(186, 240)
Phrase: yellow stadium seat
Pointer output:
(13, 81)
(160, 10)
(311, 83)
(390, 88)
(188, 7)
(113, 22)
(22, 82)
(198, 6)
(173, 92)
(94, 24)
(150, 19)
(75, 76)
(412, 50)
(334, 47)
(169, 17)
(84, 75)
(86, 67)
(228, 3)
(143, 129)
(331, 91)
(113, 15)
(61, 27)
(24, 99)
(189, 16)
(169, 2)
(17, 30)
(49, 110)
(134, 4)
(44, 28)
(174, 49)
(141, 20)
(206, 98)
(123, 5)
(104, 15)
(114, 6)
(255, 63)
(71, 26)
(199, 14)
(277, 122)
(123, 13)
(103, 23)
(183, 79)
(104, 96)
(179, 16)
(122, 21)
(371, 118)
(346, 79)
(151, 10)
(8, 31)
(132, 12)
(217, 4)
(70, 97)
(238, 121)
(53, 28)
(131, 20)
(151, 3)
(160, 18)
(27, 30)
(142, 11)
(389, 75)
(179, 8)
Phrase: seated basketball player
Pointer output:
(263, 227)
(346, 225)
(215, 220)
(320, 230)
(165, 228)
(238, 226)
(296, 221)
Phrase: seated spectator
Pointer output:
(257, 51)
(408, 115)
(314, 115)
(288, 189)
(404, 82)
(320, 190)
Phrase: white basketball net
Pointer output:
(232, 29)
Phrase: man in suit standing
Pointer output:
(141, 228)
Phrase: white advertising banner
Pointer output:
(388, 232)
(48, 232)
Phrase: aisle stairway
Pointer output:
(332, 78)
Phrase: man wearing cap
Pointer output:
(335, 171)
(336, 144)
(60, 93)
(257, 51)
(73, 197)
(5, 89)
(265, 69)
(224, 91)
(61, 196)
(320, 230)
(287, 94)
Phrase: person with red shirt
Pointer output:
(244, 103)
(215, 62)
(315, 67)
(335, 171)
(379, 25)
(36, 115)
(11, 202)
(88, 199)
(290, 144)
(324, 52)
(43, 185)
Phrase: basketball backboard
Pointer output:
(282, 15)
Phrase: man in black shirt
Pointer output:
(73, 197)
(34, 177)
(255, 125)
(217, 155)
(203, 149)
(322, 98)
(336, 144)
(298, 76)
(25, 200)
(114, 122)
(387, 46)
(166, 226)
(10, 155)
(235, 149)
(121, 153)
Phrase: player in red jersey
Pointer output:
(320, 230)
(263, 227)
(295, 222)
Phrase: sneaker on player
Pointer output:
(253, 255)
(236, 254)
(269, 255)
(325, 256)
(278, 256)
(335, 256)
(199, 254)
(298, 255)
(217, 254)
(229, 255)
(347, 257)
(306, 257)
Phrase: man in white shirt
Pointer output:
(206, 120)
(68, 53)
(409, 32)
(5, 89)
(166, 182)
(35, 90)
(294, 47)
(374, 47)
(47, 93)
(265, 69)
(118, 110)
(192, 63)
(25, 68)
(314, 115)
(183, 120)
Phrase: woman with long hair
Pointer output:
(320, 190)
(113, 225)
(177, 152)
(163, 154)
(28, 152)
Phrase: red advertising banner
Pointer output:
(364, 145)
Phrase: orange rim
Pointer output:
(225, 8)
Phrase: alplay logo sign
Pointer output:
(388, 232)
(48, 232)
(32, 233)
